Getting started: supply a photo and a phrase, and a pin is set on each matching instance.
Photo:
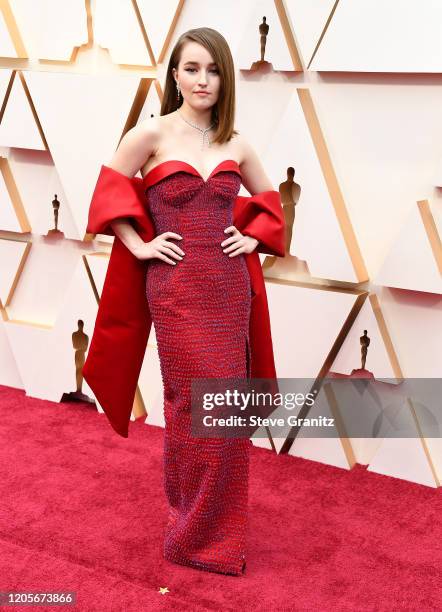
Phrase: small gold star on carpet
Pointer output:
(164, 590)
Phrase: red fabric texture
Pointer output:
(123, 321)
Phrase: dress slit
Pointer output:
(248, 358)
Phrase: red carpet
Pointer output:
(83, 510)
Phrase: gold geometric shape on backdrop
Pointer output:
(334, 255)
(158, 21)
(13, 199)
(414, 259)
(10, 40)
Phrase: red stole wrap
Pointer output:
(123, 322)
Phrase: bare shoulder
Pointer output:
(244, 149)
(150, 126)
(156, 127)
(254, 177)
(137, 145)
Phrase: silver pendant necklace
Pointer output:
(203, 130)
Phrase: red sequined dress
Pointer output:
(200, 309)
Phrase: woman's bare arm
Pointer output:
(255, 181)
(127, 234)
(135, 148)
(253, 174)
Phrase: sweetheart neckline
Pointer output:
(193, 169)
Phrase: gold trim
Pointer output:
(17, 275)
(340, 425)
(383, 329)
(167, 38)
(289, 34)
(324, 30)
(424, 443)
(75, 48)
(336, 347)
(332, 184)
(431, 230)
(33, 109)
(14, 195)
(14, 32)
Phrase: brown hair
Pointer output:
(223, 111)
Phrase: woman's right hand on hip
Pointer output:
(161, 248)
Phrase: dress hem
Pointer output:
(209, 567)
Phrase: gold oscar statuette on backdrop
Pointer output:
(55, 208)
(361, 372)
(290, 192)
(80, 342)
(262, 65)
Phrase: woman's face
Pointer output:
(197, 72)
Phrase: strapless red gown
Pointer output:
(200, 309)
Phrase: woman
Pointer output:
(198, 284)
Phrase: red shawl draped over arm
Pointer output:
(123, 321)
(261, 216)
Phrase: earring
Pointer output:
(178, 91)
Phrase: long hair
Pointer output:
(223, 111)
